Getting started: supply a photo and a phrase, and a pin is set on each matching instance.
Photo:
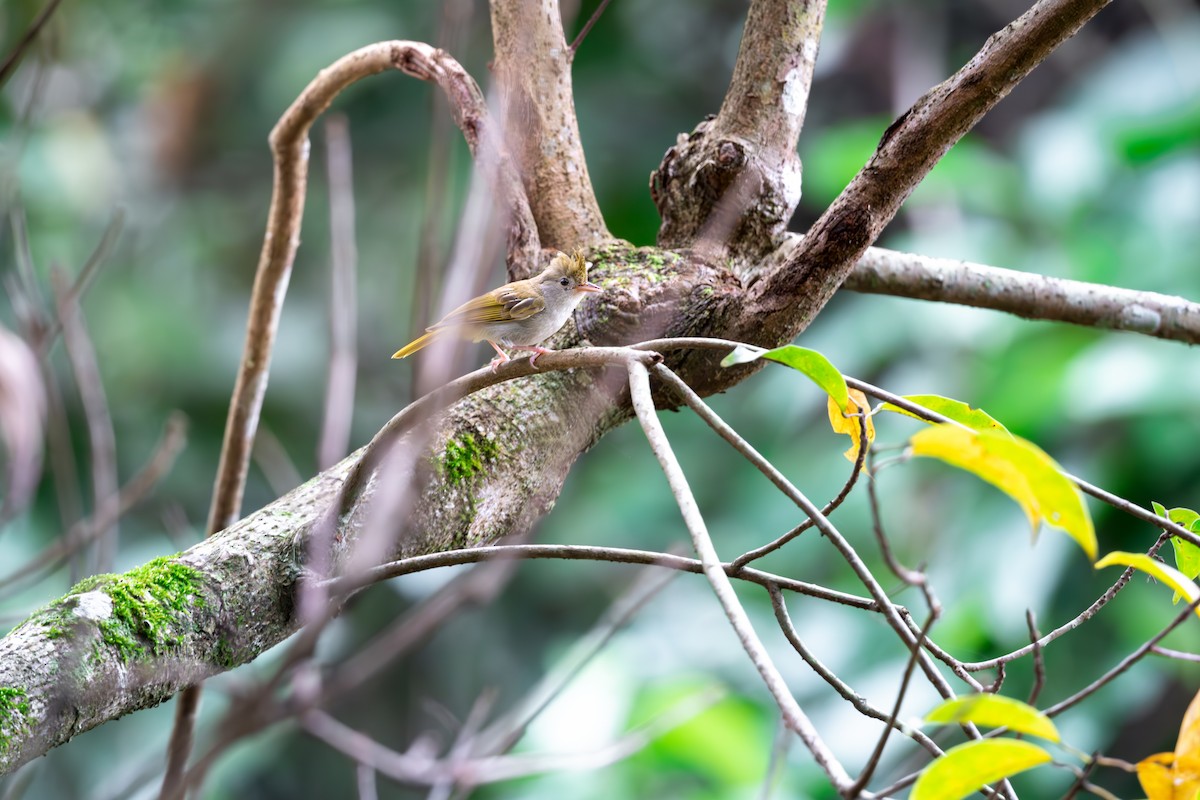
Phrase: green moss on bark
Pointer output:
(149, 605)
(466, 456)
(14, 715)
(149, 615)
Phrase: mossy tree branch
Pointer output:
(497, 459)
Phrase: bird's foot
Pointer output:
(537, 351)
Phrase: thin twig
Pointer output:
(1084, 616)
(586, 29)
(29, 305)
(78, 288)
(570, 552)
(794, 717)
(407, 768)
(1123, 665)
(830, 507)
(1178, 655)
(910, 577)
(102, 440)
(290, 146)
(855, 699)
(475, 588)
(343, 312)
(761, 463)
(503, 734)
(877, 753)
(1039, 661)
(170, 444)
(31, 33)
(463, 745)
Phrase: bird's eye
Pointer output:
(563, 282)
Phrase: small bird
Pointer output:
(518, 315)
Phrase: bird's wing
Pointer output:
(497, 306)
(518, 308)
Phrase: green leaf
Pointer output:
(1187, 555)
(974, 418)
(971, 766)
(816, 366)
(1018, 468)
(1156, 569)
(995, 711)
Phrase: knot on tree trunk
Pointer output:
(725, 195)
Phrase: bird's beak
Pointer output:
(588, 287)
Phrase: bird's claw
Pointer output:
(538, 351)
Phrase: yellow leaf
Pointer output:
(1156, 774)
(995, 711)
(842, 421)
(1187, 747)
(964, 769)
(1018, 468)
(1162, 778)
(1156, 569)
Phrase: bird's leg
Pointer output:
(501, 356)
(536, 350)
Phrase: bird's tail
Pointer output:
(414, 345)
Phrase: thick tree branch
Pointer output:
(790, 293)
(1025, 294)
(533, 67)
(731, 186)
(290, 148)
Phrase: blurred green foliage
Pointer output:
(1090, 170)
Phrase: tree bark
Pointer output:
(497, 459)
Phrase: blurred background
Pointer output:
(149, 122)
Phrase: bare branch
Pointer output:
(587, 27)
(789, 294)
(14, 57)
(734, 182)
(505, 732)
(1178, 655)
(290, 147)
(793, 716)
(873, 762)
(289, 143)
(1123, 665)
(1039, 661)
(343, 303)
(170, 444)
(533, 68)
(617, 555)
(102, 440)
(418, 769)
(760, 463)
(841, 687)
(1025, 294)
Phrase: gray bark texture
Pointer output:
(492, 463)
